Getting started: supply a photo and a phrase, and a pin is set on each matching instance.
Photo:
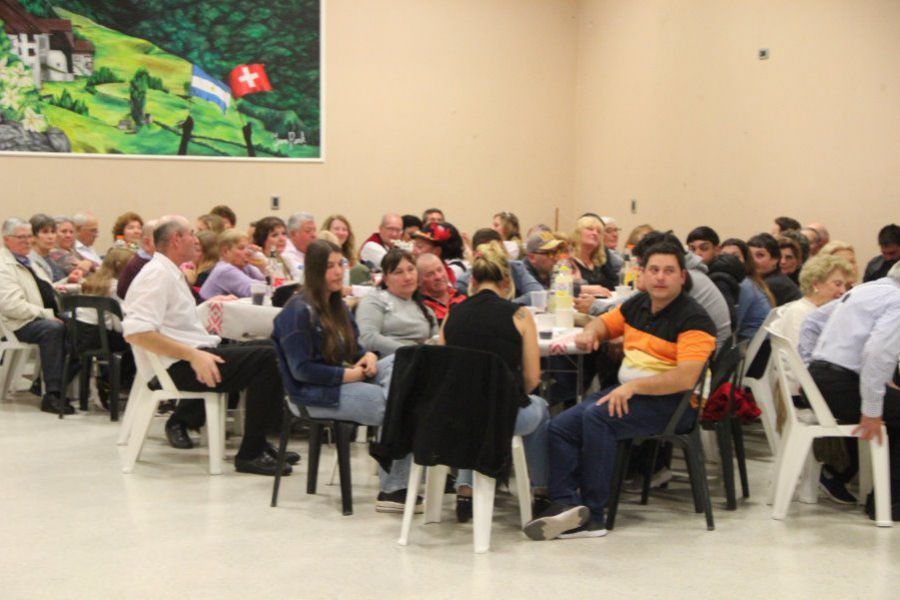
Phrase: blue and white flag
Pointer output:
(209, 88)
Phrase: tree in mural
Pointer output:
(18, 97)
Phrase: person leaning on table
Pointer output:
(668, 337)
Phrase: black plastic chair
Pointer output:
(688, 441)
(343, 435)
(86, 355)
(729, 431)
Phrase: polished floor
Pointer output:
(73, 526)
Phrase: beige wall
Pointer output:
(528, 105)
(462, 104)
(674, 109)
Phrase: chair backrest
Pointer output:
(149, 366)
(686, 398)
(452, 406)
(282, 294)
(759, 348)
(100, 305)
(786, 359)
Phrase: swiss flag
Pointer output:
(249, 79)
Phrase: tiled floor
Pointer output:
(73, 526)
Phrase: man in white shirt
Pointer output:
(301, 231)
(86, 231)
(161, 317)
(377, 245)
(27, 307)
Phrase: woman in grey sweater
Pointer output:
(395, 315)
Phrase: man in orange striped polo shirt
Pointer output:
(668, 337)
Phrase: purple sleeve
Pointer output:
(226, 279)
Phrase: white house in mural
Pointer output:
(47, 46)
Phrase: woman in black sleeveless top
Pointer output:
(488, 322)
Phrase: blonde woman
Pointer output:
(487, 321)
(589, 254)
(845, 251)
(196, 274)
(339, 227)
(507, 225)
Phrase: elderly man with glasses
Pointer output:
(28, 309)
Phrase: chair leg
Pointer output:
(695, 451)
(115, 383)
(84, 381)
(67, 367)
(483, 510)
(344, 436)
(130, 410)
(435, 480)
(612, 507)
(737, 435)
(796, 446)
(143, 415)
(412, 490)
(286, 424)
(214, 432)
(880, 455)
(648, 470)
(865, 470)
(315, 450)
(523, 483)
(692, 479)
(723, 437)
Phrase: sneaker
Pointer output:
(659, 479)
(591, 529)
(558, 518)
(834, 489)
(395, 502)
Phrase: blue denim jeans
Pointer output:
(50, 335)
(531, 423)
(583, 444)
(364, 403)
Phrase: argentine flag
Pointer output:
(209, 88)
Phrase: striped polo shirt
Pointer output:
(656, 343)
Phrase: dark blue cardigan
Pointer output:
(298, 337)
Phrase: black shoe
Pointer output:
(463, 508)
(291, 458)
(264, 464)
(557, 519)
(166, 407)
(36, 386)
(870, 508)
(450, 485)
(540, 505)
(591, 529)
(177, 434)
(835, 489)
(51, 403)
(395, 502)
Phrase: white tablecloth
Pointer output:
(240, 319)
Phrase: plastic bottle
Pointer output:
(346, 265)
(276, 270)
(562, 285)
(627, 275)
(120, 241)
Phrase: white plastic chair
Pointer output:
(763, 387)
(143, 402)
(482, 501)
(15, 355)
(805, 425)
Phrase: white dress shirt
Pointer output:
(88, 252)
(159, 300)
(294, 259)
(863, 334)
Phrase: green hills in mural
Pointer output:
(165, 38)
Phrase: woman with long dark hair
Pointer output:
(395, 315)
(326, 369)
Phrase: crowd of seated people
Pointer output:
(421, 280)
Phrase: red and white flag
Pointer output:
(249, 79)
